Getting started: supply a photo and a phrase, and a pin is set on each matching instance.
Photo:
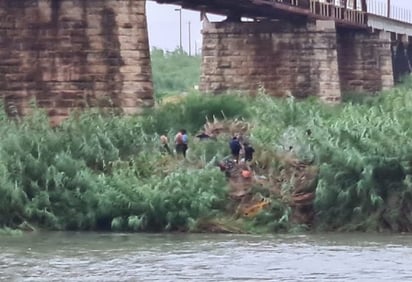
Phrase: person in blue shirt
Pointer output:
(235, 147)
(181, 141)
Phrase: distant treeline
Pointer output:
(174, 72)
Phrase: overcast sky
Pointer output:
(163, 24)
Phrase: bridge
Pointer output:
(70, 54)
(304, 47)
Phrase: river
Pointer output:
(205, 257)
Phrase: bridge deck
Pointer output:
(373, 14)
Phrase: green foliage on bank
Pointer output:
(174, 72)
(103, 171)
(193, 111)
(363, 151)
(99, 172)
(107, 172)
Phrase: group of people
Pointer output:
(236, 147)
(181, 146)
(181, 141)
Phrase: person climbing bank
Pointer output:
(235, 147)
(181, 141)
(165, 144)
(248, 152)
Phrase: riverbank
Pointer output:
(103, 171)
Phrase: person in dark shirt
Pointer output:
(203, 136)
(248, 152)
(235, 147)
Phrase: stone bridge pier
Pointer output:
(289, 59)
(365, 60)
(401, 56)
(69, 54)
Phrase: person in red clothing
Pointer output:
(181, 140)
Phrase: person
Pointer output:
(248, 152)
(165, 142)
(235, 147)
(181, 141)
(226, 166)
(203, 136)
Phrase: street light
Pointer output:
(190, 39)
(180, 28)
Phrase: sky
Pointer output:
(164, 27)
(163, 24)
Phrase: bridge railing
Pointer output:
(358, 17)
(297, 3)
(330, 10)
(380, 8)
(335, 9)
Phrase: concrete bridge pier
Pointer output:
(409, 51)
(283, 58)
(365, 60)
(69, 55)
(401, 51)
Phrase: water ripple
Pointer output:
(107, 257)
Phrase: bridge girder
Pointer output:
(244, 8)
(260, 9)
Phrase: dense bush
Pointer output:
(173, 202)
(99, 172)
(192, 111)
(363, 151)
(107, 172)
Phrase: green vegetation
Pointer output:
(103, 171)
(99, 172)
(363, 152)
(192, 112)
(174, 72)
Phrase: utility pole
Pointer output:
(180, 29)
(389, 8)
(190, 41)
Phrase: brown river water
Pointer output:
(205, 257)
